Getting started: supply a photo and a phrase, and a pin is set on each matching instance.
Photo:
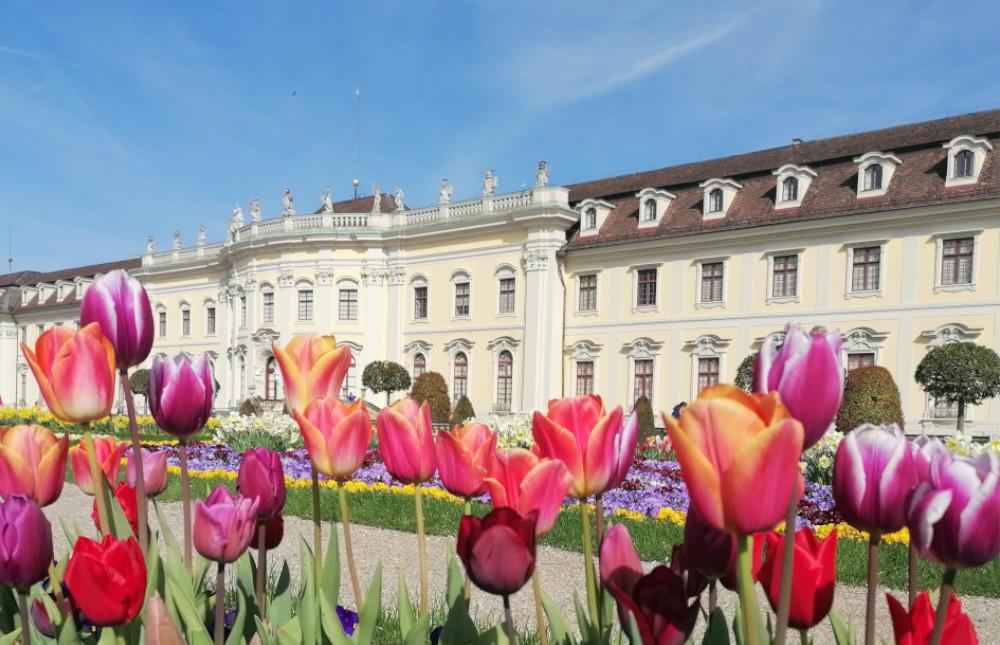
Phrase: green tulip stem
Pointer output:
(261, 566)
(418, 500)
(345, 525)
(96, 478)
(220, 604)
(803, 637)
(22, 604)
(713, 595)
(912, 576)
(873, 542)
(55, 584)
(787, 565)
(599, 517)
(142, 509)
(748, 603)
(947, 589)
(467, 510)
(317, 529)
(182, 454)
(588, 562)
(509, 621)
(543, 631)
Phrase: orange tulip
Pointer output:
(737, 453)
(108, 455)
(312, 366)
(75, 371)
(32, 463)
(406, 442)
(520, 480)
(464, 457)
(596, 447)
(336, 435)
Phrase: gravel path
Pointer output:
(561, 571)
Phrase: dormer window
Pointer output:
(653, 205)
(792, 184)
(718, 197)
(965, 163)
(592, 214)
(715, 201)
(875, 170)
(965, 159)
(790, 189)
(649, 211)
(873, 177)
(590, 219)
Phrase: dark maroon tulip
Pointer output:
(660, 606)
(707, 550)
(261, 476)
(181, 393)
(498, 551)
(25, 542)
(680, 563)
(41, 619)
(274, 531)
(120, 304)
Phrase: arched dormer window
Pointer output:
(873, 177)
(649, 211)
(965, 163)
(790, 189)
(875, 171)
(966, 156)
(715, 201)
(590, 219)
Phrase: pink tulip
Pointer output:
(224, 525)
(464, 457)
(596, 447)
(120, 304)
(923, 449)
(873, 474)
(154, 471)
(954, 517)
(75, 371)
(619, 563)
(406, 442)
(108, 453)
(181, 394)
(336, 435)
(808, 373)
(262, 477)
(33, 463)
(520, 480)
(311, 367)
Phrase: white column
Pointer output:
(373, 321)
(543, 326)
(326, 301)
(8, 359)
(395, 314)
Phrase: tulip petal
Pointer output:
(619, 563)
(543, 490)
(559, 443)
(600, 458)
(704, 485)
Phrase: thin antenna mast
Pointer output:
(357, 140)
(10, 248)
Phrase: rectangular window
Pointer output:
(348, 304)
(305, 304)
(267, 310)
(243, 311)
(588, 293)
(711, 281)
(643, 380)
(785, 276)
(646, 288)
(209, 320)
(708, 372)
(584, 377)
(956, 261)
(461, 299)
(163, 324)
(506, 304)
(867, 268)
(943, 409)
(420, 303)
(185, 322)
(347, 389)
(860, 359)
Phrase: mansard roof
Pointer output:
(919, 180)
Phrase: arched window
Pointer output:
(185, 319)
(873, 177)
(965, 163)
(790, 189)
(161, 322)
(505, 380)
(715, 201)
(460, 379)
(419, 365)
(649, 211)
(272, 381)
(345, 392)
(590, 218)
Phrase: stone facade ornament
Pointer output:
(542, 174)
(536, 260)
(397, 196)
(324, 276)
(177, 240)
(373, 276)
(447, 190)
(202, 235)
(376, 201)
(397, 276)
(250, 284)
(255, 210)
(490, 182)
(286, 279)
(327, 200)
(150, 245)
(288, 203)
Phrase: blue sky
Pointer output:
(131, 119)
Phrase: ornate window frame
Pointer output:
(349, 283)
(978, 146)
(803, 174)
(641, 348)
(583, 350)
(576, 293)
(849, 270)
(184, 307)
(939, 240)
(414, 347)
(948, 334)
(661, 198)
(699, 264)
(706, 346)
(268, 288)
(496, 346)
(419, 280)
(634, 270)
(601, 208)
(729, 189)
(504, 271)
(209, 303)
(304, 284)
(452, 348)
(770, 298)
(889, 163)
(863, 340)
(459, 276)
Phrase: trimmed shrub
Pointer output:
(870, 396)
(647, 423)
(744, 373)
(463, 410)
(965, 373)
(430, 387)
(385, 376)
(140, 382)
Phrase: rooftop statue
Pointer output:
(490, 182)
(397, 196)
(327, 200)
(255, 210)
(288, 201)
(446, 191)
(542, 174)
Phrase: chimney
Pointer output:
(796, 141)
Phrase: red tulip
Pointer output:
(464, 457)
(814, 573)
(181, 394)
(224, 525)
(107, 579)
(659, 604)
(108, 454)
(262, 477)
(729, 580)
(274, 531)
(154, 471)
(596, 446)
(311, 367)
(33, 463)
(75, 371)
(25, 542)
(126, 498)
(406, 442)
(520, 480)
(915, 627)
(336, 435)
(498, 550)
(120, 304)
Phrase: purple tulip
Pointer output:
(954, 517)
(181, 393)
(224, 525)
(261, 476)
(25, 542)
(120, 304)
(154, 471)
(808, 374)
(924, 449)
(873, 473)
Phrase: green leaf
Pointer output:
(279, 610)
(493, 636)
(558, 628)
(152, 567)
(419, 633)
(456, 580)
(290, 633)
(108, 636)
(12, 638)
(308, 602)
(717, 632)
(330, 621)
(263, 632)
(633, 630)
(330, 584)
(165, 532)
(404, 607)
(459, 627)
(368, 617)
(236, 635)
(193, 621)
(842, 634)
(8, 609)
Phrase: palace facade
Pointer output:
(656, 283)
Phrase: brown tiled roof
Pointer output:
(28, 278)
(919, 180)
(362, 205)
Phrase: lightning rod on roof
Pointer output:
(10, 248)
(357, 140)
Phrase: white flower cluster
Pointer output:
(966, 447)
(513, 430)
(817, 462)
(271, 427)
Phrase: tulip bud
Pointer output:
(814, 572)
(262, 477)
(406, 442)
(619, 563)
(120, 304)
(108, 453)
(464, 457)
(25, 542)
(915, 626)
(33, 463)
(336, 435)
(107, 579)
(181, 394)
(154, 471)
(224, 525)
(40, 618)
(311, 367)
(498, 550)
(274, 531)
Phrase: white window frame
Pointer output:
(415, 347)
(162, 330)
(504, 272)
(453, 347)
(889, 164)
(939, 240)
(300, 286)
(210, 304)
(803, 174)
(729, 189)
(635, 269)
(863, 340)
(267, 288)
(849, 269)
(185, 308)
(706, 346)
(661, 198)
(458, 277)
(496, 347)
(597, 294)
(419, 280)
(978, 146)
(584, 350)
(770, 297)
(642, 348)
(699, 303)
(601, 210)
(349, 284)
